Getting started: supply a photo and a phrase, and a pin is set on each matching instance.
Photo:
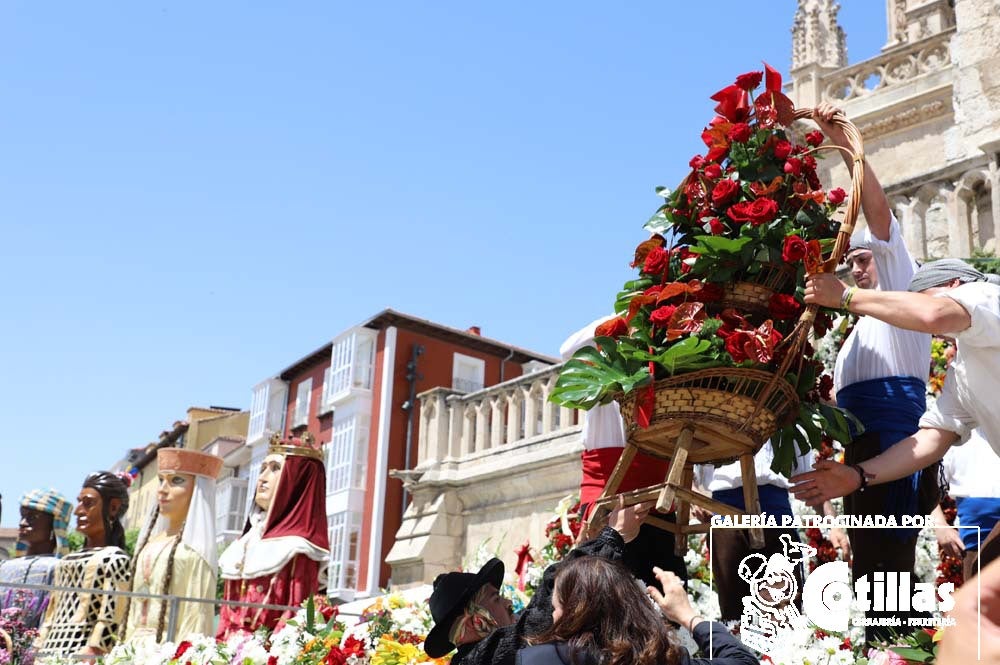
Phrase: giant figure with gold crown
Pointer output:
(282, 556)
(176, 552)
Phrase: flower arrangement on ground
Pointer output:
(750, 212)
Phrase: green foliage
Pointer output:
(74, 540)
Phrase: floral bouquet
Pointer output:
(719, 283)
(13, 624)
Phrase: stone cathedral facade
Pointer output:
(928, 106)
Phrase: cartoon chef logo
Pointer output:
(770, 609)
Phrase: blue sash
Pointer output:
(976, 511)
(773, 499)
(890, 407)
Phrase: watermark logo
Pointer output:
(769, 610)
(829, 600)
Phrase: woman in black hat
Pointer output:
(470, 615)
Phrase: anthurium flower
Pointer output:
(734, 103)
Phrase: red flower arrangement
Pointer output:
(751, 205)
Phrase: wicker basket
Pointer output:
(8, 644)
(753, 292)
(733, 412)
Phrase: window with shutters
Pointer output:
(303, 395)
(468, 373)
(345, 534)
(347, 454)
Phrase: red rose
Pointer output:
(716, 227)
(182, 648)
(826, 386)
(661, 316)
(749, 81)
(809, 161)
(615, 327)
(757, 212)
(653, 290)
(272, 660)
(656, 261)
(814, 137)
(697, 162)
(782, 306)
(795, 249)
(723, 192)
(836, 196)
(782, 149)
(793, 166)
(739, 132)
(713, 171)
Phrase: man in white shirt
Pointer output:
(881, 376)
(972, 471)
(947, 297)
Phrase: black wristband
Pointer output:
(864, 478)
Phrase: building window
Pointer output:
(230, 505)
(347, 454)
(267, 410)
(326, 405)
(468, 373)
(258, 413)
(352, 364)
(345, 533)
(303, 395)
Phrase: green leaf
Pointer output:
(719, 244)
(593, 376)
(784, 453)
(665, 192)
(915, 655)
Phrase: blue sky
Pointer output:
(194, 195)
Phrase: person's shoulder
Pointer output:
(975, 295)
(539, 654)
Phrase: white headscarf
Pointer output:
(199, 526)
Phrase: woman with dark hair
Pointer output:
(84, 623)
(601, 616)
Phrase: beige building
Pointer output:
(493, 463)
(928, 106)
(202, 428)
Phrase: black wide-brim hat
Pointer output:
(452, 592)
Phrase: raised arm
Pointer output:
(912, 311)
(874, 203)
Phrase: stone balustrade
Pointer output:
(892, 68)
(491, 467)
(455, 426)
